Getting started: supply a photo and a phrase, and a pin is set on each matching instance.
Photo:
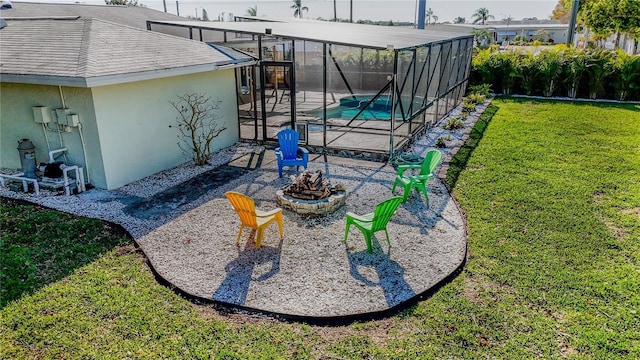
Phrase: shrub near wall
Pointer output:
(560, 71)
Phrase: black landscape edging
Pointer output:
(313, 320)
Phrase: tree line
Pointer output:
(604, 18)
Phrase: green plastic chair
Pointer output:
(427, 169)
(375, 221)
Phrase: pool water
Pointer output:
(381, 103)
(379, 109)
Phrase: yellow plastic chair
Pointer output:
(253, 218)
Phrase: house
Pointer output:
(79, 80)
(528, 30)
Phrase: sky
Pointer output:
(395, 10)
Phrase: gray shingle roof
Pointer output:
(125, 15)
(92, 52)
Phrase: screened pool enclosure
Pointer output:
(359, 89)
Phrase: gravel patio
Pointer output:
(311, 272)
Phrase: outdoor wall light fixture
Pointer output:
(267, 31)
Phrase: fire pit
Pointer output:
(311, 193)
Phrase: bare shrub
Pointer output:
(197, 124)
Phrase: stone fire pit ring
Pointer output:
(323, 206)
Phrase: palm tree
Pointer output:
(253, 11)
(298, 8)
(481, 16)
(482, 37)
(459, 20)
(429, 15)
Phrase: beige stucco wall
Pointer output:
(17, 122)
(134, 119)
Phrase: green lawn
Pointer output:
(552, 195)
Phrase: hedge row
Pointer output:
(560, 71)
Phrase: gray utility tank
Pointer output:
(27, 158)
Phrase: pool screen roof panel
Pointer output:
(367, 36)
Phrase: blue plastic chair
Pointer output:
(289, 153)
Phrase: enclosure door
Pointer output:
(277, 95)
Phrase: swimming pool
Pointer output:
(350, 106)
